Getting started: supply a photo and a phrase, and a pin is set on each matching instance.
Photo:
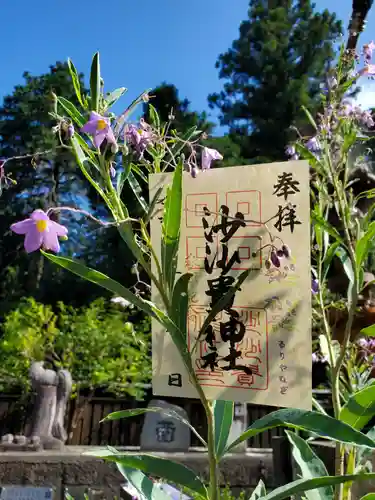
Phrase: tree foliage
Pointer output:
(275, 66)
(95, 343)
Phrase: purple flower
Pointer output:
(100, 128)
(286, 251)
(367, 50)
(40, 231)
(314, 286)
(291, 153)
(366, 119)
(139, 137)
(369, 70)
(208, 156)
(313, 145)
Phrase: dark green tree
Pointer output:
(166, 101)
(276, 65)
(48, 179)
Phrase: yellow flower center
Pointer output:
(101, 125)
(41, 225)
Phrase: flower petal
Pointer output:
(39, 215)
(33, 240)
(22, 227)
(110, 137)
(50, 240)
(59, 229)
(99, 138)
(89, 127)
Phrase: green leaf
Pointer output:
(223, 418)
(303, 485)
(311, 466)
(75, 80)
(342, 254)
(117, 415)
(369, 331)
(360, 408)
(102, 280)
(137, 190)
(310, 421)
(331, 252)
(180, 302)
(365, 244)
(171, 227)
(309, 117)
(114, 96)
(369, 496)
(154, 116)
(259, 491)
(151, 208)
(72, 111)
(324, 224)
(146, 488)
(95, 83)
(174, 472)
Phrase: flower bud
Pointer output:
(274, 259)
(194, 172)
(268, 264)
(286, 251)
(70, 131)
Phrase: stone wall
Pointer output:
(76, 472)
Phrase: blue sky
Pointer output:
(141, 43)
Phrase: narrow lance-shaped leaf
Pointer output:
(146, 488)
(360, 408)
(223, 418)
(114, 96)
(102, 280)
(303, 485)
(117, 415)
(75, 80)
(364, 245)
(72, 111)
(171, 227)
(137, 190)
(343, 255)
(259, 492)
(173, 472)
(309, 421)
(95, 83)
(311, 466)
(180, 302)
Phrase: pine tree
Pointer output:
(275, 66)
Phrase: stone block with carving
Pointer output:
(163, 432)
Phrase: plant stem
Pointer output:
(214, 486)
(340, 493)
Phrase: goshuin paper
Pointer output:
(258, 349)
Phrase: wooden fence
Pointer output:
(83, 422)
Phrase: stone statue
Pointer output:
(52, 390)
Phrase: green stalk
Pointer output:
(336, 368)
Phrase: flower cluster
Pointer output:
(42, 232)
(276, 255)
